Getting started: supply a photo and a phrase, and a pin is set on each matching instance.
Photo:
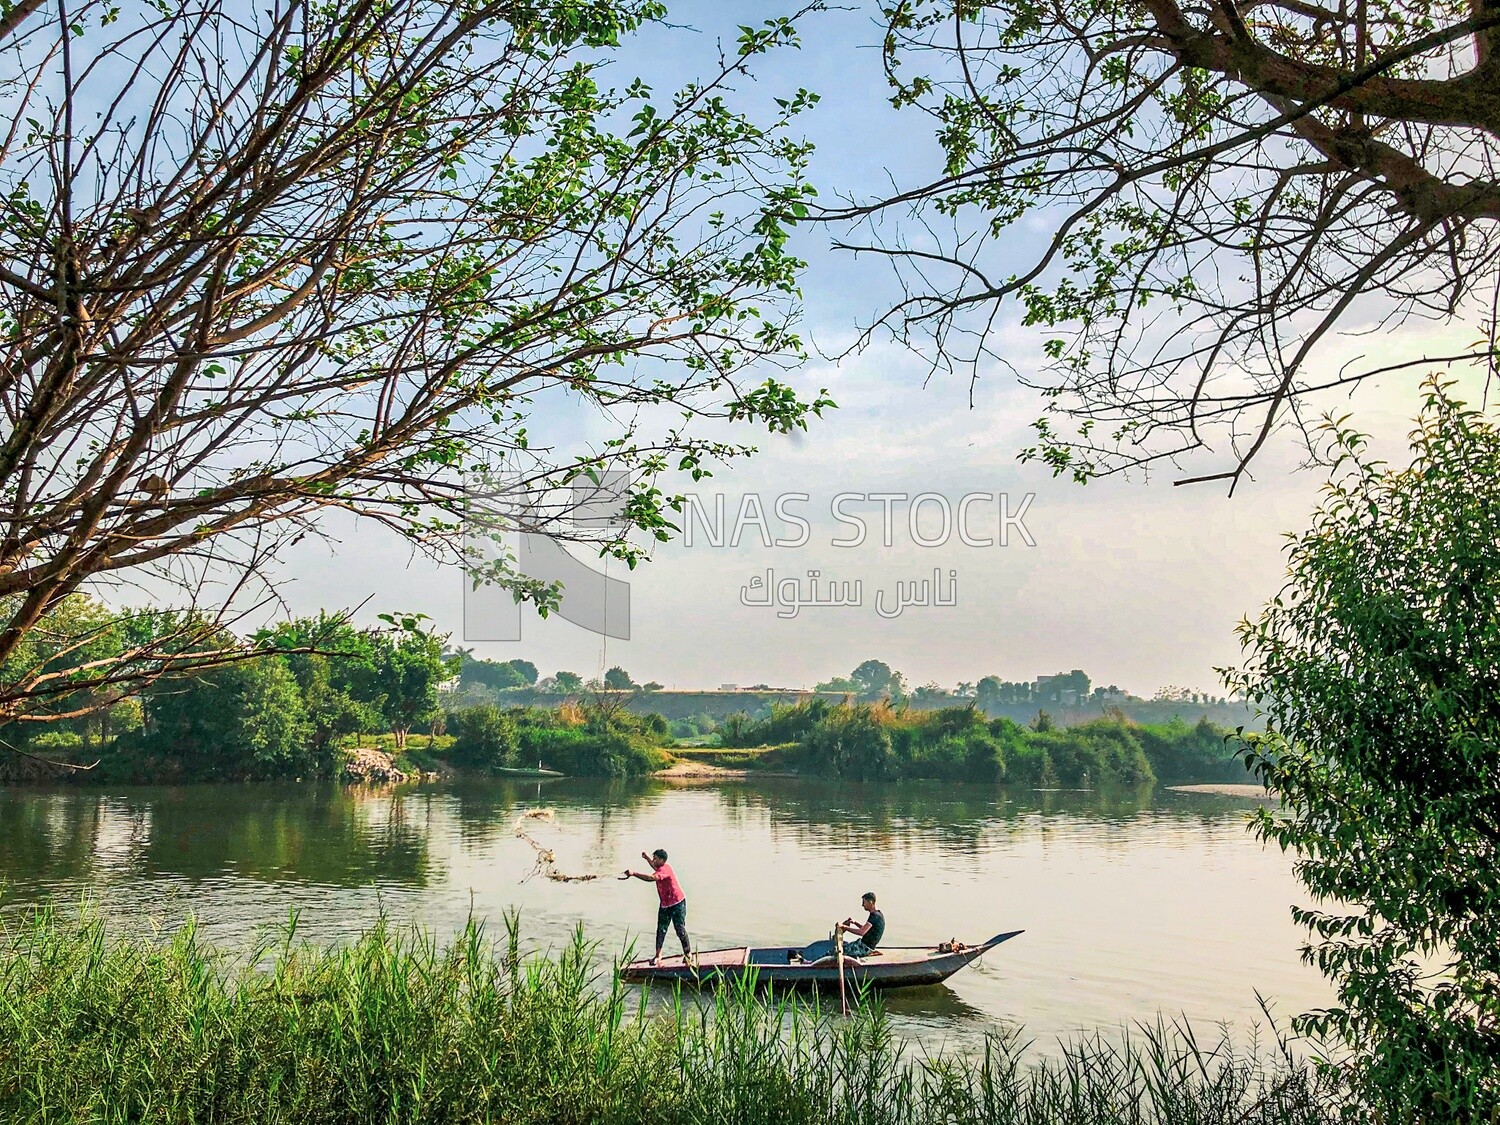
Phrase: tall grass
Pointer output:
(395, 1028)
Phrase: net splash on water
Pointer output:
(546, 860)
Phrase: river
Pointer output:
(1133, 904)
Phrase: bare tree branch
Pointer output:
(1227, 190)
(262, 262)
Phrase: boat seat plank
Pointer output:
(709, 958)
(718, 957)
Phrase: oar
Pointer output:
(838, 956)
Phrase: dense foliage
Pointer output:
(266, 262)
(393, 1029)
(1378, 667)
(494, 675)
(875, 741)
(286, 712)
(245, 720)
(596, 742)
(592, 741)
(321, 684)
(484, 737)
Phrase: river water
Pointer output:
(1134, 904)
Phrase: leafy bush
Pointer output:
(244, 721)
(1103, 750)
(51, 741)
(1201, 752)
(694, 726)
(484, 737)
(953, 744)
(1378, 669)
(783, 723)
(873, 741)
(585, 753)
(849, 741)
(1028, 763)
(586, 743)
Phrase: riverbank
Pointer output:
(685, 769)
(848, 741)
(394, 1028)
(1225, 789)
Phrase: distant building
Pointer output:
(729, 687)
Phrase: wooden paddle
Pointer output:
(838, 955)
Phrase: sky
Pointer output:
(1136, 582)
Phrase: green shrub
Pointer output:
(873, 741)
(49, 741)
(1029, 764)
(244, 721)
(782, 723)
(584, 753)
(484, 737)
(1102, 751)
(1178, 752)
(849, 741)
(600, 744)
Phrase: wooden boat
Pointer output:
(816, 966)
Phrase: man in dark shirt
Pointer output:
(867, 933)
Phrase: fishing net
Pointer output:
(546, 861)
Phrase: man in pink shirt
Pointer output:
(673, 908)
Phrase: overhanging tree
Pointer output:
(1192, 203)
(259, 262)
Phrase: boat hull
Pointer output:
(773, 967)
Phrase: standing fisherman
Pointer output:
(673, 908)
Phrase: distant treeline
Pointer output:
(318, 685)
(289, 703)
(295, 716)
(874, 741)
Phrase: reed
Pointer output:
(394, 1027)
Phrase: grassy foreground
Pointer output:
(395, 1028)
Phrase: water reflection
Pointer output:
(348, 837)
(955, 817)
(937, 1001)
(310, 834)
(48, 833)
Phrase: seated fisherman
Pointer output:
(867, 933)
